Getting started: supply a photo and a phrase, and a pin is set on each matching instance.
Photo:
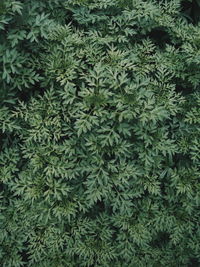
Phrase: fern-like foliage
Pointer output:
(99, 133)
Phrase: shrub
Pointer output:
(99, 126)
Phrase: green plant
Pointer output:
(99, 126)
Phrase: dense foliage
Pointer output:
(99, 133)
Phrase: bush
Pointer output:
(100, 151)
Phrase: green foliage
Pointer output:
(100, 130)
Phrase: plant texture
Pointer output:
(99, 133)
